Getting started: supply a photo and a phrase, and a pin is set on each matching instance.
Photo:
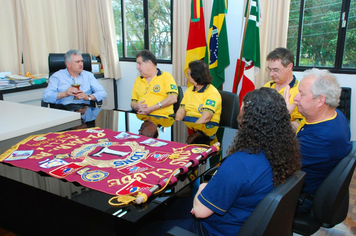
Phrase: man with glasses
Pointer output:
(154, 91)
(280, 68)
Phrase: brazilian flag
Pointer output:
(217, 50)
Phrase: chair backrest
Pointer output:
(230, 109)
(345, 102)
(179, 99)
(56, 62)
(331, 200)
(274, 214)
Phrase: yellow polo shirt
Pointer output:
(162, 85)
(158, 120)
(207, 99)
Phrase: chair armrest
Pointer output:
(177, 231)
(44, 104)
(208, 175)
(99, 103)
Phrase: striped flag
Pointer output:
(196, 45)
(251, 63)
(217, 56)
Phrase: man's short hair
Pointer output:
(68, 55)
(325, 84)
(285, 55)
(147, 55)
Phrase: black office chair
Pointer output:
(331, 200)
(273, 215)
(179, 99)
(345, 102)
(56, 62)
(230, 109)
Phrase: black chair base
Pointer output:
(331, 200)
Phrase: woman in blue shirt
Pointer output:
(264, 153)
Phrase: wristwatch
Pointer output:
(89, 98)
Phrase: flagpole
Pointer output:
(242, 45)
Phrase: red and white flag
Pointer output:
(251, 63)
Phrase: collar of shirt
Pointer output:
(202, 90)
(291, 84)
(304, 122)
(159, 72)
(72, 76)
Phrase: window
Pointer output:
(323, 34)
(143, 24)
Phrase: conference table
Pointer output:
(18, 121)
(39, 204)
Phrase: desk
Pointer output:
(21, 89)
(27, 210)
(18, 121)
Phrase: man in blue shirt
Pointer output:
(324, 133)
(60, 89)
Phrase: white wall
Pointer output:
(233, 21)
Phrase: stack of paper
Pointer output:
(5, 84)
(19, 80)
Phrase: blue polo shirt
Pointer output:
(232, 194)
(323, 145)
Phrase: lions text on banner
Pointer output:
(196, 45)
(116, 163)
(217, 52)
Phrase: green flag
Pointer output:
(251, 50)
(217, 51)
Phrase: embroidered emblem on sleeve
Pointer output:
(210, 102)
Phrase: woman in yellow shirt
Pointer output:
(202, 101)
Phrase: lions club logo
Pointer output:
(156, 88)
(200, 108)
(198, 150)
(110, 154)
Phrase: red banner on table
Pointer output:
(102, 159)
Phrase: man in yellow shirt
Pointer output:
(280, 68)
(154, 91)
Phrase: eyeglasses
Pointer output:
(274, 70)
(188, 73)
